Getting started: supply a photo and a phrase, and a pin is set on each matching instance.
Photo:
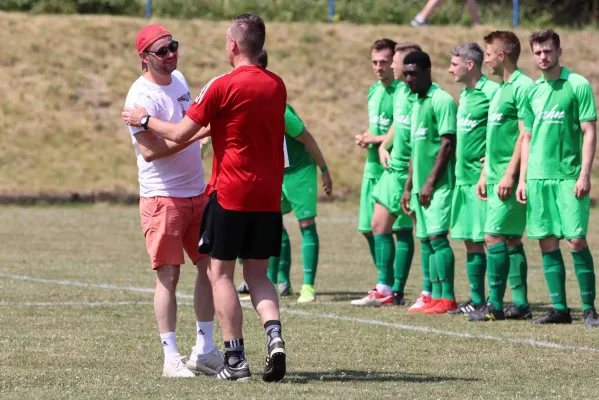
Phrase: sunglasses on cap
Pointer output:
(173, 47)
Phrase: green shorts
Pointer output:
(367, 206)
(553, 210)
(388, 192)
(468, 214)
(504, 218)
(433, 220)
(299, 192)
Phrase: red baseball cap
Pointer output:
(149, 35)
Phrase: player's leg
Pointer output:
(429, 274)
(429, 8)
(518, 280)
(365, 213)
(472, 8)
(282, 263)
(310, 252)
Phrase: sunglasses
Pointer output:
(173, 47)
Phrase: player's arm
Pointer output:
(443, 156)
(524, 152)
(507, 182)
(407, 192)
(153, 147)
(384, 155)
(589, 142)
(312, 148)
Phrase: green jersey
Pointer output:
(432, 116)
(472, 130)
(505, 110)
(553, 113)
(296, 151)
(402, 105)
(380, 117)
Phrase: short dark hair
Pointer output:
(405, 46)
(382, 44)
(510, 44)
(263, 58)
(420, 58)
(250, 33)
(545, 35)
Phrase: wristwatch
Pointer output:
(144, 121)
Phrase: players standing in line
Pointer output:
(506, 218)
(557, 157)
(393, 264)
(430, 182)
(468, 212)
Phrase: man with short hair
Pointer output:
(430, 182)
(468, 212)
(555, 180)
(245, 110)
(506, 218)
(172, 201)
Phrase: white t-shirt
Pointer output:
(181, 174)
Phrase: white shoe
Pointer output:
(175, 368)
(374, 299)
(208, 363)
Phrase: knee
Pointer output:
(577, 244)
(307, 222)
(168, 277)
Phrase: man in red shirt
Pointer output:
(245, 110)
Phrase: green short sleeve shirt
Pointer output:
(402, 149)
(296, 151)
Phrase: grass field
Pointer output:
(77, 322)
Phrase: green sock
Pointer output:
(476, 266)
(585, 272)
(498, 267)
(370, 240)
(385, 253)
(445, 261)
(285, 259)
(518, 275)
(310, 248)
(273, 269)
(426, 251)
(434, 278)
(404, 252)
(555, 275)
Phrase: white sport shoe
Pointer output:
(374, 299)
(208, 363)
(176, 368)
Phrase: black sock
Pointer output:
(273, 330)
(234, 352)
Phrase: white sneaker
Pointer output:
(176, 368)
(208, 363)
(374, 299)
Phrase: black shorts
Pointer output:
(227, 234)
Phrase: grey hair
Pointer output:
(470, 52)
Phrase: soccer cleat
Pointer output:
(284, 289)
(466, 308)
(243, 288)
(276, 361)
(422, 301)
(514, 312)
(591, 319)
(307, 294)
(207, 363)
(441, 307)
(374, 299)
(240, 372)
(398, 299)
(555, 317)
(175, 368)
(487, 313)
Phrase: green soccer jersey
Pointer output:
(472, 130)
(553, 113)
(432, 116)
(401, 152)
(380, 117)
(505, 110)
(296, 151)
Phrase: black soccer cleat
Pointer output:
(276, 361)
(517, 313)
(591, 319)
(243, 288)
(466, 308)
(284, 289)
(239, 372)
(487, 313)
(555, 317)
(398, 299)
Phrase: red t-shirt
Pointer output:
(246, 113)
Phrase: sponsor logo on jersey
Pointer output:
(495, 118)
(467, 123)
(420, 133)
(553, 116)
(381, 120)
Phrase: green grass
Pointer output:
(113, 351)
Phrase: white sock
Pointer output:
(383, 289)
(204, 338)
(169, 345)
(420, 18)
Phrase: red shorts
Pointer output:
(170, 226)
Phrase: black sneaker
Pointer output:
(276, 361)
(239, 372)
(487, 313)
(514, 312)
(398, 299)
(284, 289)
(243, 288)
(591, 319)
(466, 308)
(555, 317)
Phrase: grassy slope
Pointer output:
(66, 78)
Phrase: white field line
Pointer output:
(76, 304)
(405, 327)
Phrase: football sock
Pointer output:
(273, 269)
(445, 262)
(585, 273)
(169, 345)
(285, 258)
(426, 251)
(518, 276)
(404, 253)
(555, 275)
(234, 351)
(310, 249)
(273, 331)
(204, 337)
(370, 240)
(476, 267)
(384, 254)
(498, 267)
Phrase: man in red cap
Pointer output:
(172, 201)
(245, 110)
